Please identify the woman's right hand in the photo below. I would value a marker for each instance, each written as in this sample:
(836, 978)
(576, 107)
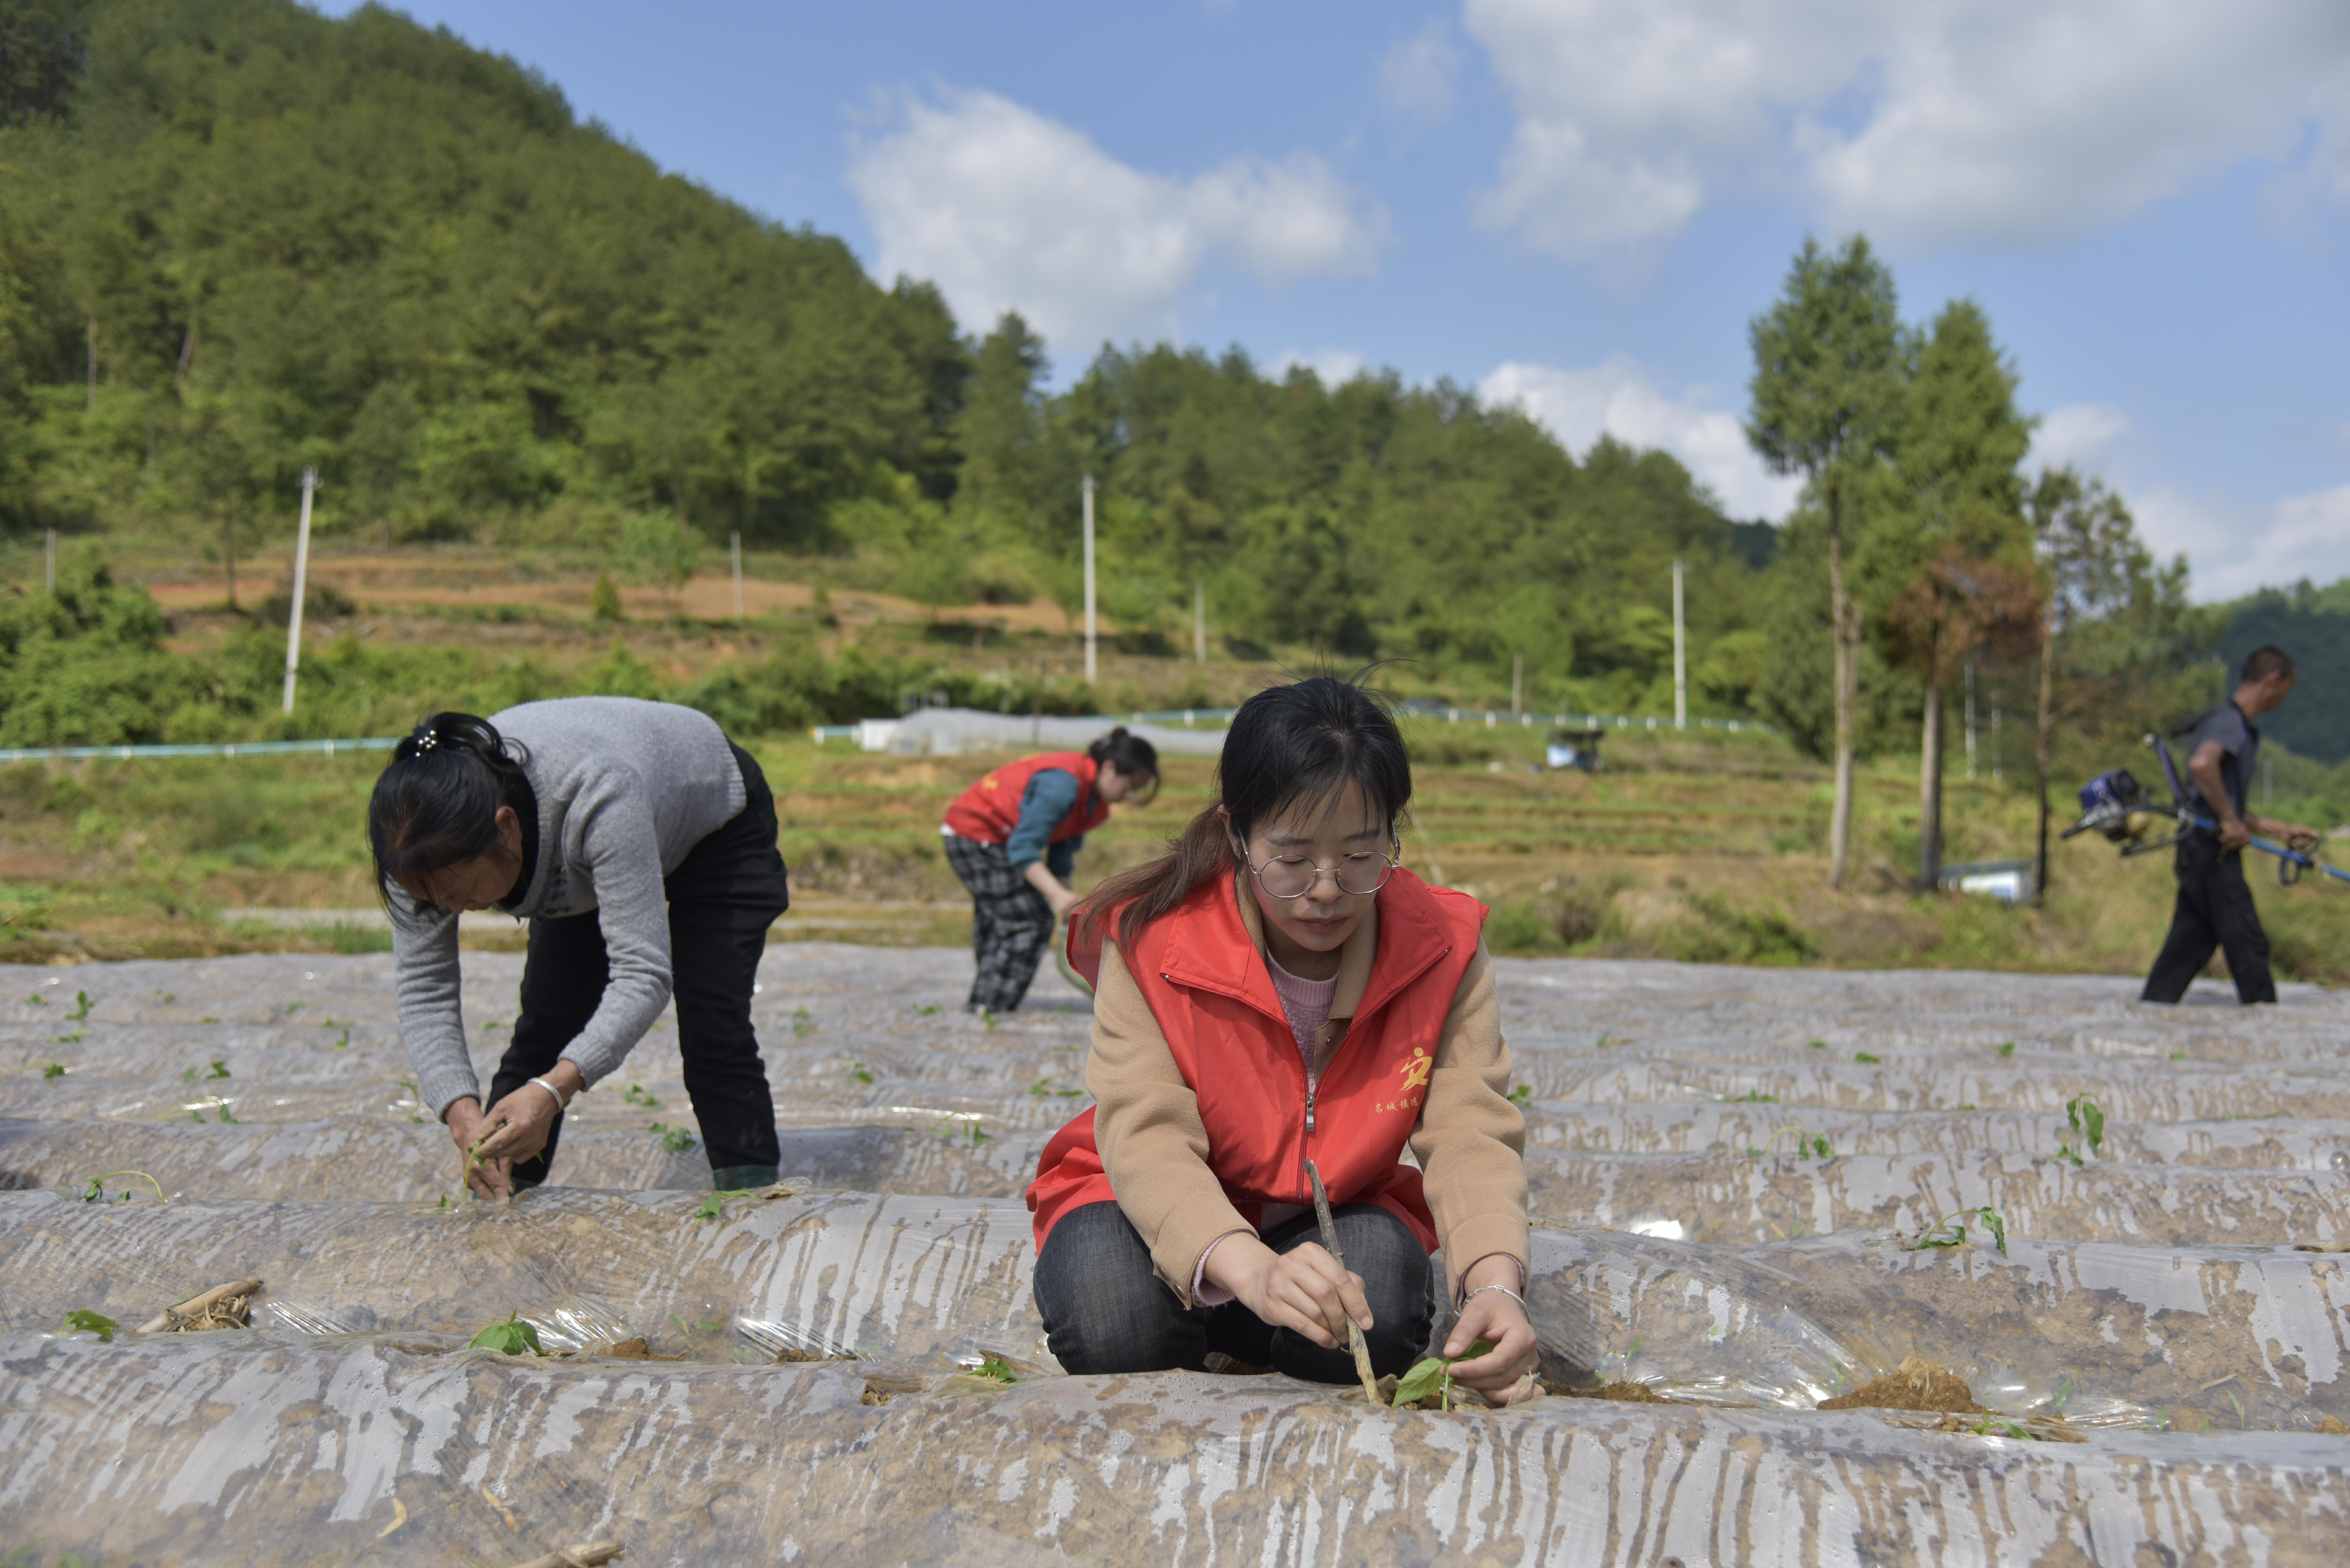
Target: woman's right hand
(1305, 1289)
(489, 1178)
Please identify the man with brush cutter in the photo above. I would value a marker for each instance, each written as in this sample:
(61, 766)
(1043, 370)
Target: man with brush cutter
(2215, 908)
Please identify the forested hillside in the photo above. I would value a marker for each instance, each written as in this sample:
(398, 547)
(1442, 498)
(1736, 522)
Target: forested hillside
(244, 239)
(240, 240)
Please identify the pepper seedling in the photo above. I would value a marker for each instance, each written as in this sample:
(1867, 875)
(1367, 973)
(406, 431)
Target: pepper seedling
(1950, 1230)
(995, 1369)
(1434, 1375)
(1807, 1142)
(511, 1337)
(2086, 1120)
(96, 1189)
(81, 1320)
(82, 1010)
(1522, 1096)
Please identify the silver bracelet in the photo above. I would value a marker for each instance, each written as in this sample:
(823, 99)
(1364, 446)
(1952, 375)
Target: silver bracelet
(1505, 1290)
(560, 1107)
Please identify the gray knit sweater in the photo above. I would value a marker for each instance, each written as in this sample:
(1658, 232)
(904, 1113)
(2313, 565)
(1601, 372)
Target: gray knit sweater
(625, 790)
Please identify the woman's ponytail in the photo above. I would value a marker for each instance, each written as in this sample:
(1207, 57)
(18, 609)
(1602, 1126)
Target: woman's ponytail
(437, 802)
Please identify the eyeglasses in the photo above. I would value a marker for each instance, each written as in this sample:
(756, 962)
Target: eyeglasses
(1293, 875)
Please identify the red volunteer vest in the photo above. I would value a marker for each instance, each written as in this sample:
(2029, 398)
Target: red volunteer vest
(1210, 990)
(989, 810)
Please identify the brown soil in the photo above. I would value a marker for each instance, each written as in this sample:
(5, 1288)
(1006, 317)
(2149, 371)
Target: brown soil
(1622, 1393)
(1914, 1384)
(2333, 1424)
(632, 1349)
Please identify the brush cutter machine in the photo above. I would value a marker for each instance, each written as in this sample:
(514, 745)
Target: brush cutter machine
(2114, 806)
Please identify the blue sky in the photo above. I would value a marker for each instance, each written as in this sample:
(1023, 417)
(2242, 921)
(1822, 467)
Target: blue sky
(1579, 203)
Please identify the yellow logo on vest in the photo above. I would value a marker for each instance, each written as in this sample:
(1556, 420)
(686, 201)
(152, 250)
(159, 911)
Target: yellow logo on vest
(1415, 1083)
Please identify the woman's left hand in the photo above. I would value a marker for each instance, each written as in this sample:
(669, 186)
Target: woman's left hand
(1500, 1322)
(522, 1121)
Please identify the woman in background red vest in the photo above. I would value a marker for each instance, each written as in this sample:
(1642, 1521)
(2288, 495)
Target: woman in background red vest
(1279, 990)
(1013, 837)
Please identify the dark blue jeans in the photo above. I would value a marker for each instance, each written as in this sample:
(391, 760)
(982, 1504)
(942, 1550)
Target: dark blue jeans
(1104, 1312)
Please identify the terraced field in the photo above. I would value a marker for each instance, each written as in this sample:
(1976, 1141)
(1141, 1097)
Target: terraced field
(1744, 1179)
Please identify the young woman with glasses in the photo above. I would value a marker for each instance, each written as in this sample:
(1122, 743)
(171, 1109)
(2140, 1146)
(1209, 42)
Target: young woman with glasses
(1277, 988)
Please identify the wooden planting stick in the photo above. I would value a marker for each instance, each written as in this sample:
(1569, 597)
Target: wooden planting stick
(1330, 1242)
(195, 1305)
(594, 1556)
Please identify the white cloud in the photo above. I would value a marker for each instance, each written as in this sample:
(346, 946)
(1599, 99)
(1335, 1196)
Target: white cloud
(1008, 210)
(2233, 550)
(1973, 121)
(2081, 434)
(1617, 399)
(1416, 75)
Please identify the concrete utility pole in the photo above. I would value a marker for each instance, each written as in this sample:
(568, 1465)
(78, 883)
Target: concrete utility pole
(1680, 655)
(301, 581)
(50, 562)
(1088, 488)
(1199, 623)
(1517, 682)
(1970, 721)
(734, 545)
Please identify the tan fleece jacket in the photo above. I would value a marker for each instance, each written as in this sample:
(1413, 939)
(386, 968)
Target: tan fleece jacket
(1470, 1140)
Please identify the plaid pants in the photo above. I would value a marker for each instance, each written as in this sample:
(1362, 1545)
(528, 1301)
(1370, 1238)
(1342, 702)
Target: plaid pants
(1010, 923)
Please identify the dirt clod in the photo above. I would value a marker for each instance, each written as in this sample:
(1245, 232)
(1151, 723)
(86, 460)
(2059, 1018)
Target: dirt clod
(1915, 1385)
(633, 1348)
(2333, 1424)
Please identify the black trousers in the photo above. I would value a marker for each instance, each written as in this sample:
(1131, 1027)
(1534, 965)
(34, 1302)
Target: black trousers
(1106, 1312)
(2215, 909)
(723, 897)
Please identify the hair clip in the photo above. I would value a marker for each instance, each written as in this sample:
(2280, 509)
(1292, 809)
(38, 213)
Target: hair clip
(424, 742)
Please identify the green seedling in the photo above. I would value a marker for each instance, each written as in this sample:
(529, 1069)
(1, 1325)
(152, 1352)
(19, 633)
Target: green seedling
(2243, 1419)
(345, 1043)
(54, 1070)
(511, 1337)
(928, 1008)
(225, 1118)
(1867, 1058)
(2179, 1055)
(218, 1070)
(712, 1208)
(995, 1369)
(81, 1320)
(36, 1000)
(712, 1326)
(1434, 1375)
(988, 1019)
(1819, 1044)
(82, 1009)
(1522, 1096)
(72, 1039)
(955, 1129)
(675, 1139)
(294, 1007)
(856, 1070)
(1807, 1142)
(1602, 1041)
(2087, 1121)
(1950, 1230)
(196, 1117)
(96, 1188)
(1752, 1097)
(2005, 1048)
(208, 1018)
(635, 1095)
(2000, 1426)
(1966, 1107)
(802, 1024)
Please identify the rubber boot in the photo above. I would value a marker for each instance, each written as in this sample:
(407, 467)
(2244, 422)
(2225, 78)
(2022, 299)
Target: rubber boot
(742, 1177)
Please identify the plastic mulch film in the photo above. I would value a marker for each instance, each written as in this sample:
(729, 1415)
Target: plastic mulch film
(2184, 1340)
(379, 1450)
(1787, 1192)
(911, 1278)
